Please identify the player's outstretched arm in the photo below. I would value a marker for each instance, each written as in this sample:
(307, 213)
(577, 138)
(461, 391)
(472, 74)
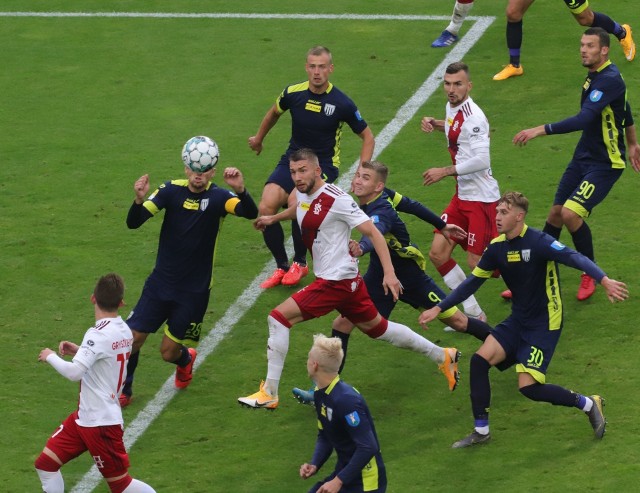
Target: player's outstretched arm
(453, 231)
(429, 124)
(390, 282)
(268, 122)
(524, 136)
(264, 221)
(428, 316)
(616, 290)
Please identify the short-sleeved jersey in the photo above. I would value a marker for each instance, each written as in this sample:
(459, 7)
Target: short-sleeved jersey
(326, 219)
(105, 350)
(346, 426)
(604, 94)
(189, 233)
(317, 119)
(529, 266)
(467, 131)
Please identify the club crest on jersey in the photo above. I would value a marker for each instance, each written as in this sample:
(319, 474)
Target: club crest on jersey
(329, 109)
(354, 286)
(595, 96)
(353, 419)
(317, 208)
(358, 116)
(204, 203)
(526, 254)
(329, 413)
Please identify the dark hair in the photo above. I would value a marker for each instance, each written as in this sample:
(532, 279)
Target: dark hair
(455, 67)
(515, 199)
(381, 169)
(304, 154)
(109, 292)
(605, 39)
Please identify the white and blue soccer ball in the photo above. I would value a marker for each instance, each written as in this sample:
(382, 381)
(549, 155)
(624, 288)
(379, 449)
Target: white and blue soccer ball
(200, 154)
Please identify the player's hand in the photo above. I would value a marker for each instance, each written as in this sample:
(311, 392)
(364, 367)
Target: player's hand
(233, 177)
(262, 222)
(524, 136)
(616, 290)
(434, 175)
(427, 125)
(307, 470)
(354, 248)
(428, 316)
(141, 188)
(44, 353)
(332, 486)
(633, 153)
(66, 348)
(255, 145)
(453, 232)
(390, 283)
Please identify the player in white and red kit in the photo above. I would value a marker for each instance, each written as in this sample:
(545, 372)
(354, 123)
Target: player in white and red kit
(327, 215)
(473, 206)
(100, 364)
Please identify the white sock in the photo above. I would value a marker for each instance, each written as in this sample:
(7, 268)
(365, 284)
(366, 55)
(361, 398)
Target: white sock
(52, 482)
(277, 348)
(403, 337)
(453, 279)
(483, 430)
(460, 12)
(138, 487)
(588, 404)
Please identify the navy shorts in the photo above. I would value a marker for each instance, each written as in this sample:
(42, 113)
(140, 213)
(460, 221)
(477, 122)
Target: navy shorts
(577, 6)
(531, 348)
(282, 175)
(182, 311)
(583, 186)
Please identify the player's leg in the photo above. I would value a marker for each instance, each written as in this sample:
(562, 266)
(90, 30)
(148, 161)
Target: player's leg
(48, 468)
(449, 36)
(587, 17)
(515, 12)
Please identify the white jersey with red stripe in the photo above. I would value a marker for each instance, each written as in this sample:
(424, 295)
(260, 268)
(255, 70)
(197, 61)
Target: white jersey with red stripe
(326, 219)
(105, 349)
(467, 131)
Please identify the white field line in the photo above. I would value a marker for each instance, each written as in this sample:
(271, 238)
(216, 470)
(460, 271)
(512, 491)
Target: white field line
(249, 296)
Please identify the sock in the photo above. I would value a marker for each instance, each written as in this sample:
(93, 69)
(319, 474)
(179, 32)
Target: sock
(553, 394)
(514, 42)
(132, 364)
(608, 24)
(403, 337)
(453, 275)
(299, 248)
(583, 240)
(274, 239)
(345, 344)
(552, 230)
(478, 329)
(460, 11)
(52, 482)
(136, 486)
(184, 359)
(480, 392)
(277, 348)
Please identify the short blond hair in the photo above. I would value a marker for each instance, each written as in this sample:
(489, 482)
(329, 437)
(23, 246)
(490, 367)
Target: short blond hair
(327, 352)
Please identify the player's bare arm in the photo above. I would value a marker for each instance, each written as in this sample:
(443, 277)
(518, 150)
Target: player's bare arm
(453, 231)
(633, 149)
(428, 316)
(524, 136)
(390, 282)
(264, 221)
(233, 177)
(429, 124)
(434, 175)
(268, 122)
(616, 290)
(368, 145)
(141, 188)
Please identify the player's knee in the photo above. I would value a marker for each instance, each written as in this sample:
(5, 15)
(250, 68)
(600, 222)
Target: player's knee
(437, 257)
(478, 364)
(514, 13)
(531, 391)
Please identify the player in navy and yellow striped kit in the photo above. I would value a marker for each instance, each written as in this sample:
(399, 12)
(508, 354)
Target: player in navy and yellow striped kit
(608, 139)
(177, 290)
(344, 425)
(527, 259)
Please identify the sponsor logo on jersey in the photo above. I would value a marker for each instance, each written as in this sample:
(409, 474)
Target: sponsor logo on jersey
(476, 130)
(526, 254)
(313, 106)
(204, 203)
(353, 419)
(329, 109)
(595, 96)
(556, 245)
(304, 206)
(513, 256)
(191, 204)
(91, 343)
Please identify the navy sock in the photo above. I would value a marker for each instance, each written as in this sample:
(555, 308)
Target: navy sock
(274, 239)
(480, 387)
(132, 364)
(514, 42)
(554, 394)
(184, 359)
(552, 230)
(299, 248)
(583, 240)
(608, 24)
(477, 328)
(345, 344)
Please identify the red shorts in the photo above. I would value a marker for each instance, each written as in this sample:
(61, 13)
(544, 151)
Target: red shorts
(478, 219)
(104, 443)
(349, 297)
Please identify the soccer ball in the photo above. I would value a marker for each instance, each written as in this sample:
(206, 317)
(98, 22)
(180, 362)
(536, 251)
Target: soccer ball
(200, 154)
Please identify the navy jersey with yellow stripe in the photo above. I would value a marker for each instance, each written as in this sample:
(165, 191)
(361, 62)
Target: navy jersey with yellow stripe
(345, 425)
(604, 114)
(189, 230)
(317, 119)
(528, 264)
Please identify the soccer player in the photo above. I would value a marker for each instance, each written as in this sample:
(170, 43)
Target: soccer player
(528, 261)
(99, 364)
(473, 204)
(418, 289)
(327, 215)
(345, 425)
(599, 159)
(582, 13)
(318, 112)
(177, 291)
(449, 36)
